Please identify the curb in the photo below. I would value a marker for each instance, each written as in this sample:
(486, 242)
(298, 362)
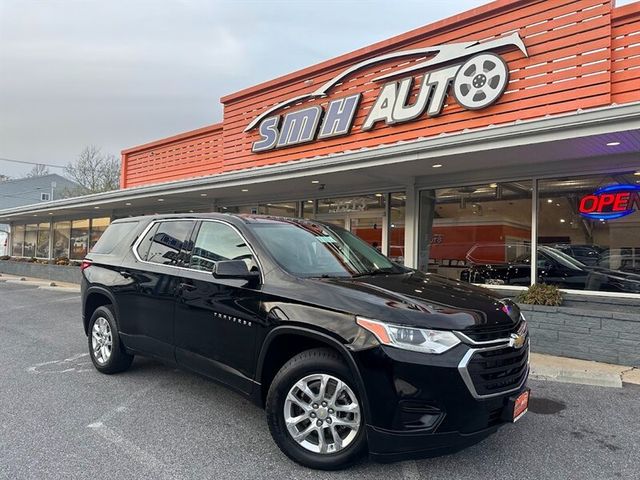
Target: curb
(40, 284)
(571, 370)
(597, 379)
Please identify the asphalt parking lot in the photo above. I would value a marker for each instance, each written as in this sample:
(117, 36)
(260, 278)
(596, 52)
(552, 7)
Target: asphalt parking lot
(61, 419)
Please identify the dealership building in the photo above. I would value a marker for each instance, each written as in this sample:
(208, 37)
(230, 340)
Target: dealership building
(504, 139)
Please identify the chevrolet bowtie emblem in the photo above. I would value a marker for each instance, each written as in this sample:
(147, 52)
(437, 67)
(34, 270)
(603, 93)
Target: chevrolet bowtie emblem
(516, 340)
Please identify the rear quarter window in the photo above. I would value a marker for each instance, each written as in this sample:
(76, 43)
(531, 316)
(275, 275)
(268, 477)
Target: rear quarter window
(114, 235)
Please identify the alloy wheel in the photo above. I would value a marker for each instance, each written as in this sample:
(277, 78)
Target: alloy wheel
(322, 414)
(101, 340)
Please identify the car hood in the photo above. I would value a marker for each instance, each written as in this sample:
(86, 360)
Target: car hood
(418, 299)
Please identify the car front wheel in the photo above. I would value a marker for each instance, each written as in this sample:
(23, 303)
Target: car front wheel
(314, 411)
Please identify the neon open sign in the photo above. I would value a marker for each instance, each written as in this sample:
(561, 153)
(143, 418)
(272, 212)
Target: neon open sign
(609, 203)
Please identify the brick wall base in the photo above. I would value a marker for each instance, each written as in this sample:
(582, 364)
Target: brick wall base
(602, 335)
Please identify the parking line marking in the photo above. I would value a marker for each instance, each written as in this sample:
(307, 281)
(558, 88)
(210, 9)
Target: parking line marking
(132, 450)
(36, 368)
(410, 470)
(33, 305)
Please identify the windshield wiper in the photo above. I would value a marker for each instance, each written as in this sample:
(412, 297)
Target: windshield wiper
(378, 271)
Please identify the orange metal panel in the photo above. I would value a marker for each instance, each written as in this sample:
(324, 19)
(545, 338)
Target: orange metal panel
(582, 54)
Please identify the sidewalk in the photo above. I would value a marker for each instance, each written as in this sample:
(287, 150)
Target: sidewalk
(41, 283)
(571, 370)
(543, 367)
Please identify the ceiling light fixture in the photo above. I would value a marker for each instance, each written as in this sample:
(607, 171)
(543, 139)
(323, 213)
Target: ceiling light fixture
(494, 185)
(549, 200)
(203, 194)
(245, 189)
(161, 199)
(315, 181)
(637, 174)
(437, 165)
(613, 144)
(96, 208)
(562, 220)
(128, 204)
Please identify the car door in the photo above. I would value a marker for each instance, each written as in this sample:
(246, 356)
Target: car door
(147, 306)
(216, 319)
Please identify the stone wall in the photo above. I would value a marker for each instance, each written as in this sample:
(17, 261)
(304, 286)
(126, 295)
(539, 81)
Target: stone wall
(610, 335)
(59, 273)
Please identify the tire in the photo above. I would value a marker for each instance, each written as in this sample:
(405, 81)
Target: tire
(311, 368)
(115, 359)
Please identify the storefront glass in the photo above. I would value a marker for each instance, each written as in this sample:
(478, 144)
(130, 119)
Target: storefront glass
(396, 226)
(308, 208)
(98, 226)
(30, 240)
(79, 239)
(589, 240)
(289, 209)
(363, 215)
(17, 240)
(479, 233)
(44, 235)
(61, 234)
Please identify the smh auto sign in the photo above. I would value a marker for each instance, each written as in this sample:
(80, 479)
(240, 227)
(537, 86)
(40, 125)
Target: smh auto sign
(478, 75)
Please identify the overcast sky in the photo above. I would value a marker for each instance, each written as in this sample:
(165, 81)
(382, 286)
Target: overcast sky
(117, 73)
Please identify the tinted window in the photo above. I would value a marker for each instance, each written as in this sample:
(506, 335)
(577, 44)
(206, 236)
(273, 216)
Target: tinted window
(112, 236)
(215, 242)
(167, 241)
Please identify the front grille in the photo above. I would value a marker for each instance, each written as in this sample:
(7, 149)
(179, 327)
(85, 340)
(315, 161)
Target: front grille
(487, 334)
(500, 370)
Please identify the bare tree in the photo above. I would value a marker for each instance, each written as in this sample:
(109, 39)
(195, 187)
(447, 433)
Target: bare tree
(38, 171)
(95, 171)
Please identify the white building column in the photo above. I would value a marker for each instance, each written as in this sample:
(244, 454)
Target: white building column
(411, 226)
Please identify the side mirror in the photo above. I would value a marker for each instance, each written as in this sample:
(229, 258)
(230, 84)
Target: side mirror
(231, 269)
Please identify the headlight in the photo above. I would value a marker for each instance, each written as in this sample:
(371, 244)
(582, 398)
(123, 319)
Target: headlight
(409, 338)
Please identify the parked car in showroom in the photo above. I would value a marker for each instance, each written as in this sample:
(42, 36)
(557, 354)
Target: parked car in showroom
(587, 254)
(347, 352)
(555, 268)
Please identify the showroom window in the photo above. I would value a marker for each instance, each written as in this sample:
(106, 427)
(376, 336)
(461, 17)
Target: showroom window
(79, 239)
(98, 226)
(289, 209)
(61, 235)
(44, 235)
(477, 233)
(17, 240)
(30, 240)
(308, 208)
(397, 206)
(363, 215)
(589, 233)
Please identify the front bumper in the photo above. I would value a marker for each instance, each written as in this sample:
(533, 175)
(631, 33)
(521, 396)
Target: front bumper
(423, 405)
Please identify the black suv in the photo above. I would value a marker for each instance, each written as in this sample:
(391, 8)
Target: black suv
(347, 351)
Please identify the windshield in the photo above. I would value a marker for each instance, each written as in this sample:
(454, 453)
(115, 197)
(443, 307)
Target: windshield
(316, 250)
(563, 258)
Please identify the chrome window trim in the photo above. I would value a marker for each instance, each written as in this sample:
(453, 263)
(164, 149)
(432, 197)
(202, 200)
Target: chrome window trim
(195, 220)
(464, 373)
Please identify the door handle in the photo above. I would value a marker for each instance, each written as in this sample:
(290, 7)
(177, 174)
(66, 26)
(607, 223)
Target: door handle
(125, 274)
(187, 287)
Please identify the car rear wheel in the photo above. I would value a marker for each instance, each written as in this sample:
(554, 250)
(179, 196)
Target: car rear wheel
(107, 353)
(314, 411)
